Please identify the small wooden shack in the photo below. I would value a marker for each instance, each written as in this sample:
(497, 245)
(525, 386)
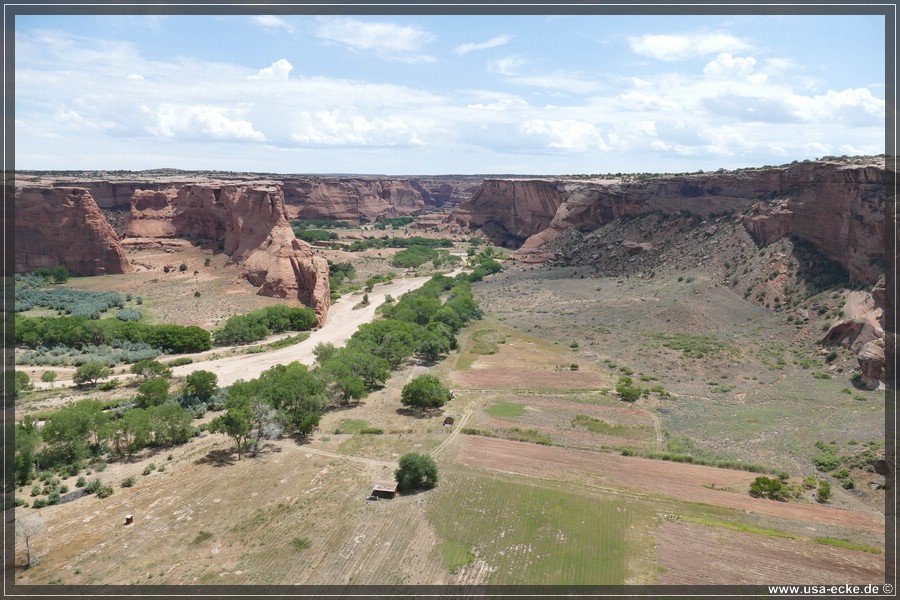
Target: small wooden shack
(449, 420)
(384, 489)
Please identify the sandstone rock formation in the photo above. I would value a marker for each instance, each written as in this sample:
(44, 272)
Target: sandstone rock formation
(64, 226)
(252, 224)
(871, 362)
(837, 207)
(348, 199)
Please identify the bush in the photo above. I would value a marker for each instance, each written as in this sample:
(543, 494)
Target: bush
(39, 503)
(90, 372)
(80, 483)
(824, 491)
(127, 482)
(182, 267)
(768, 487)
(22, 382)
(128, 314)
(104, 491)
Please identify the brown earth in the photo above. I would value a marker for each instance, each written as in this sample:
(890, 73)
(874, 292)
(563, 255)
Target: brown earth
(677, 480)
(693, 554)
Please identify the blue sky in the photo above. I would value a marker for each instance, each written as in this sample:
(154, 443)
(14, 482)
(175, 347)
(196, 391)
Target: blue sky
(407, 95)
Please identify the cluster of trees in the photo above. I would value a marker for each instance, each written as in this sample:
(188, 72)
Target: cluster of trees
(315, 235)
(76, 331)
(414, 256)
(318, 224)
(399, 242)
(90, 428)
(394, 223)
(283, 398)
(43, 275)
(256, 325)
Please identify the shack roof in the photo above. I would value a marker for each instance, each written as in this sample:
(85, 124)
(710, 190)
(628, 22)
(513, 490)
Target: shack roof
(385, 486)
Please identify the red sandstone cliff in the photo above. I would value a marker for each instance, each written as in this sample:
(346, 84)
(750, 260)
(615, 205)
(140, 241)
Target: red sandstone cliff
(348, 199)
(252, 224)
(838, 208)
(65, 226)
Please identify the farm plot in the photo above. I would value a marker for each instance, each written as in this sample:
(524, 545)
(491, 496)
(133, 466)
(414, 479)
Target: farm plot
(694, 483)
(574, 424)
(509, 530)
(691, 553)
(286, 517)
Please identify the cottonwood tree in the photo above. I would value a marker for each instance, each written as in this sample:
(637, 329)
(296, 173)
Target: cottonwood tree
(28, 529)
(417, 471)
(424, 391)
(91, 372)
(267, 424)
(237, 422)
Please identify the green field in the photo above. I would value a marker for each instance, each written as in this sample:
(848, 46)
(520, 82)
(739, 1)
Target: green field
(506, 409)
(528, 532)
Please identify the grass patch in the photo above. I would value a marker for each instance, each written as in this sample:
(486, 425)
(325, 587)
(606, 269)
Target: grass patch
(484, 342)
(845, 544)
(506, 409)
(696, 346)
(598, 426)
(773, 533)
(526, 435)
(537, 533)
(456, 555)
(202, 537)
(299, 544)
(351, 426)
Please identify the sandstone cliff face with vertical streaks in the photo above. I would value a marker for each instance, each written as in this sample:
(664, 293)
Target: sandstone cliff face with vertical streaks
(64, 226)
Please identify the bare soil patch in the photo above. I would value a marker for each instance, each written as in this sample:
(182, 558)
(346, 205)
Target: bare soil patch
(691, 553)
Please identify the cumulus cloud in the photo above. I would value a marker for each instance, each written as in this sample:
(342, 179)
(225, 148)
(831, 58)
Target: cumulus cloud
(134, 76)
(398, 42)
(726, 65)
(279, 71)
(678, 47)
(494, 42)
(568, 135)
(336, 128)
(505, 66)
(201, 121)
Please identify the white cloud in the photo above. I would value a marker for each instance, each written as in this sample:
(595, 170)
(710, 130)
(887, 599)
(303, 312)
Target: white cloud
(494, 42)
(568, 135)
(201, 121)
(677, 47)
(576, 83)
(726, 65)
(398, 42)
(499, 105)
(505, 66)
(271, 23)
(279, 71)
(334, 128)
(134, 76)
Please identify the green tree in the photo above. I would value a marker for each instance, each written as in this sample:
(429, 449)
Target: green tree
(424, 391)
(417, 471)
(170, 424)
(626, 390)
(48, 376)
(60, 274)
(432, 346)
(149, 368)
(346, 384)
(202, 385)
(296, 393)
(237, 422)
(23, 382)
(324, 351)
(130, 433)
(91, 372)
(69, 429)
(824, 491)
(152, 392)
(27, 439)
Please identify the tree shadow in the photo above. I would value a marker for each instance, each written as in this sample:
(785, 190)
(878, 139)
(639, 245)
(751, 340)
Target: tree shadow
(421, 413)
(218, 458)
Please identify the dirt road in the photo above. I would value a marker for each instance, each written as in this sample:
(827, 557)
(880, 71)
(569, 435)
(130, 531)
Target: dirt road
(342, 322)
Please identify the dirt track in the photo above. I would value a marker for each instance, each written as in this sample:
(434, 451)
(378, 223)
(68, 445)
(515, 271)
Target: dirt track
(677, 480)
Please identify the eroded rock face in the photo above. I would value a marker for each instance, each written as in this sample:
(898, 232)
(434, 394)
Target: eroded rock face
(871, 362)
(253, 226)
(65, 226)
(348, 199)
(837, 207)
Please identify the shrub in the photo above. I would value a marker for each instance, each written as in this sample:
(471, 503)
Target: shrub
(182, 267)
(90, 372)
(104, 491)
(824, 491)
(80, 483)
(127, 482)
(768, 487)
(39, 503)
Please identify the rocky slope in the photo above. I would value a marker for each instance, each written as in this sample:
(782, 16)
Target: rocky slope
(64, 226)
(253, 226)
(837, 207)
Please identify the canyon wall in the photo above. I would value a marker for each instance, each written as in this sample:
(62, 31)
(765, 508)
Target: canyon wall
(253, 226)
(837, 207)
(64, 226)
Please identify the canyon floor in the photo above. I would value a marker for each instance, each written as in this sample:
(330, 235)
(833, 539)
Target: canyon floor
(534, 487)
